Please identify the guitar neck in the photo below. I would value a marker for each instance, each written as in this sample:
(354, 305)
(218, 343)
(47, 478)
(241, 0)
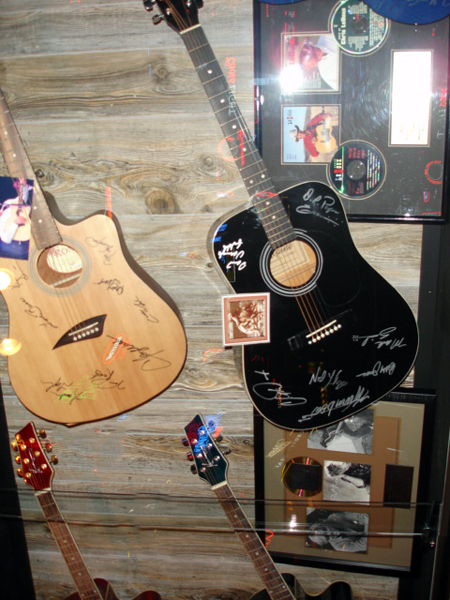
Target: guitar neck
(253, 171)
(43, 227)
(263, 563)
(84, 583)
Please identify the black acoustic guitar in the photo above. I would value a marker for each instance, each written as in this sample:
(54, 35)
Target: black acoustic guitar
(211, 466)
(341, 337)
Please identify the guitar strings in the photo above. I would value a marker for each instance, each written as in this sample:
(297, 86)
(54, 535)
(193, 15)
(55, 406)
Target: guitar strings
(307, 301)
(46, 227)
(18, 157)
(56, 522)
(215, 473)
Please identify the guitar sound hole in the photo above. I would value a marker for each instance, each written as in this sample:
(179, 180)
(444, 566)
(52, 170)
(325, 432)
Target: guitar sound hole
(294, 264)
(60, 266)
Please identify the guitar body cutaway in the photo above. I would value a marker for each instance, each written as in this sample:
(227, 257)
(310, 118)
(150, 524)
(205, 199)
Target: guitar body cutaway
(97, 336)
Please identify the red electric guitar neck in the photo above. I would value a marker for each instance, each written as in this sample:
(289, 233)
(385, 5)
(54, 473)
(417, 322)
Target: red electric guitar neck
(38, 473)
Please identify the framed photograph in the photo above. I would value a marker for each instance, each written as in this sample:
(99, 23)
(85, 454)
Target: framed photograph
(350, 495)
(381, 88)
(310, 134)
(16, 195)
(298, 51)
(245, 319)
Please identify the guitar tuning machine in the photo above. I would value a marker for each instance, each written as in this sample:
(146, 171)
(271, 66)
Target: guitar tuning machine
(42, 434)
(48, 447)
(54, 460)
(194, 470)
(190, 456)
(148, 4)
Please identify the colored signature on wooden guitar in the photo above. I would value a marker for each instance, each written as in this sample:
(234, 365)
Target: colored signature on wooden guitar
(150, 361)
(86, 388)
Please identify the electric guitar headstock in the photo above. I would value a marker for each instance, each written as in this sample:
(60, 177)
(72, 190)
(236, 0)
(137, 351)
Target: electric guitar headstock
(36, 470)
(178, 14)
(210, 463)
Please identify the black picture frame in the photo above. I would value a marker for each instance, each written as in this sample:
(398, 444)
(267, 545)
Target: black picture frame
(394, 552)
(384, 176)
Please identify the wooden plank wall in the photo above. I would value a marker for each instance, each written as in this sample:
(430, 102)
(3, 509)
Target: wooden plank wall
(107, 102)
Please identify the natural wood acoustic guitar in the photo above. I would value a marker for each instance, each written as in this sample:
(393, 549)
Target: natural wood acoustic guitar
(37, 471)
(211, 466)
(91, 334)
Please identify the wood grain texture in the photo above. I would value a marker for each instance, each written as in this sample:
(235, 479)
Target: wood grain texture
(108, 104)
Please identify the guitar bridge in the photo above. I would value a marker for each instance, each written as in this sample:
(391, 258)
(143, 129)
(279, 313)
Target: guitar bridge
(298, 341)
(321, 333)
(85, 330)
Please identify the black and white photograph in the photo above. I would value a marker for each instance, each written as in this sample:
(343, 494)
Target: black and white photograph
(345, 481)
(334, 530)
(354, 434)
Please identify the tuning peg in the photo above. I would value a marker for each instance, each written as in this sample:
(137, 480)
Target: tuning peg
(185, 442)
(219, 438)
(48, 447)
(54, 460)
(190, 456)
(157, 19)
(227, 451)
(42, 434)
(199, 3)
(14, 445)
(20, 472)
(194, 470)
(148, 5)
(17, 459)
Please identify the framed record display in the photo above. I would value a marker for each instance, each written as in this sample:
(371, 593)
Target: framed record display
(349, 98)
(350, 495)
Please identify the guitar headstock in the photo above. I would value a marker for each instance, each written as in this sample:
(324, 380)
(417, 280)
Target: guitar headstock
(209, 461)
(36, 469)
(178, 14)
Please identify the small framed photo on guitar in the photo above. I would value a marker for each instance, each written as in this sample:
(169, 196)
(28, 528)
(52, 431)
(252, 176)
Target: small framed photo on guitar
(245, 319)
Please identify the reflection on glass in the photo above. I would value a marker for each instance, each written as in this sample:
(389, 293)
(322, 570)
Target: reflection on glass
(6, 278)
(9, 346)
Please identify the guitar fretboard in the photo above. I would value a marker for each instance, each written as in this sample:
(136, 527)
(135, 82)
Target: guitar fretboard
(82, 578)
(43, 226)
(253, 171)
(262, 561)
